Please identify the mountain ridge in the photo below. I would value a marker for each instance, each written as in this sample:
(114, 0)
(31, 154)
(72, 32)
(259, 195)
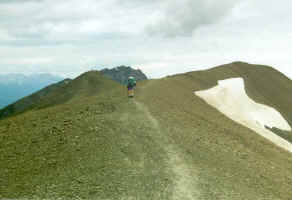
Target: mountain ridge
(122, 73)
(164, 144)
(58, 93)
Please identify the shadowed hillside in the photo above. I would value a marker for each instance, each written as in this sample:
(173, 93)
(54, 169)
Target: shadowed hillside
(166, 143)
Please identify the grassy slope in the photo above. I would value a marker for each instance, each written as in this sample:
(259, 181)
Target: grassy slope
(234, 163)
(106, 146)
(91, 147)
(87, 84)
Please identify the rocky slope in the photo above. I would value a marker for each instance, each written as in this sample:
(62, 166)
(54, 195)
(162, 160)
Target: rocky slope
(121, 74)
(167, 143)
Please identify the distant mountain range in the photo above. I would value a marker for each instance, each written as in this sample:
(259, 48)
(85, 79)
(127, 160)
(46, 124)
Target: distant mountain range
(16, 86)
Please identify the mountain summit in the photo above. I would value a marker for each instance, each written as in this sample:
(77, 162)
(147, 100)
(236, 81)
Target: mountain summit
(87, 140)
(121, 74)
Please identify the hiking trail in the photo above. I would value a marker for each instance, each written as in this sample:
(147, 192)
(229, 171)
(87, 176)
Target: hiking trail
(183, 180)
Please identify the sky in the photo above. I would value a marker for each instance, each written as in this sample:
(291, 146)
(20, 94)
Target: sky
(159, 37)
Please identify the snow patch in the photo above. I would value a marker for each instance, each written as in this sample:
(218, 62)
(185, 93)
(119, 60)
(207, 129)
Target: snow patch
(230, 98)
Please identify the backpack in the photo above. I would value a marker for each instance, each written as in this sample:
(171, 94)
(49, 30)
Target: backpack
(131, 82)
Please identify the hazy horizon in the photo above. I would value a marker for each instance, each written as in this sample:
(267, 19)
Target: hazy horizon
(100, 68)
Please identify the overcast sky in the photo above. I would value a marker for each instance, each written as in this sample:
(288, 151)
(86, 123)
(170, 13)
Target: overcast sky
(160, 37)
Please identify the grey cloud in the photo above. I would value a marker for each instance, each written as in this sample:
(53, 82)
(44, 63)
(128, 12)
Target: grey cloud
(51, 20)
(18, 1)
(72, 35)
(181, 18)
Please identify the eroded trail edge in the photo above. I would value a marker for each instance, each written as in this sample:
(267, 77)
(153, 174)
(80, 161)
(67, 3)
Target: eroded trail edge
(185, 186)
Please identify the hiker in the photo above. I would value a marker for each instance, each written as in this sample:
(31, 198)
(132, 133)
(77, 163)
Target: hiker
(130, 85)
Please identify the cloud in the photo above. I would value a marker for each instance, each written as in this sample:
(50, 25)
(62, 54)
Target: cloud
(160, 37)
(62, 21)
(17, 1)
(181, 18)
(52, 21)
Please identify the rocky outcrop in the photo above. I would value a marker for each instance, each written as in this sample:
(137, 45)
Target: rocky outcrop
(121, 74)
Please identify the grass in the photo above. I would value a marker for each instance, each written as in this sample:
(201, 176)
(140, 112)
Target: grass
(100, 145)
(224, 152)
(81, 150)
(87, 84)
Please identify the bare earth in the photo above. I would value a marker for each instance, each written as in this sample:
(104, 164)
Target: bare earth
(184, 181)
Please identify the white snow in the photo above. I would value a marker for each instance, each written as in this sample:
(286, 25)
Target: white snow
(230, 98)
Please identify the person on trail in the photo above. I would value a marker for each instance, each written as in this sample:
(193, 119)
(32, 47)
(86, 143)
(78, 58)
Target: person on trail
(131, 85)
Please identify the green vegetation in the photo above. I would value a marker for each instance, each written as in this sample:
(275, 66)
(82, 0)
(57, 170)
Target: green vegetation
(81, 150)
(164, 144)
(87, 84)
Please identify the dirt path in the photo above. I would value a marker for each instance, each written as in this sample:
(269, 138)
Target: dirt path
(184, 181)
